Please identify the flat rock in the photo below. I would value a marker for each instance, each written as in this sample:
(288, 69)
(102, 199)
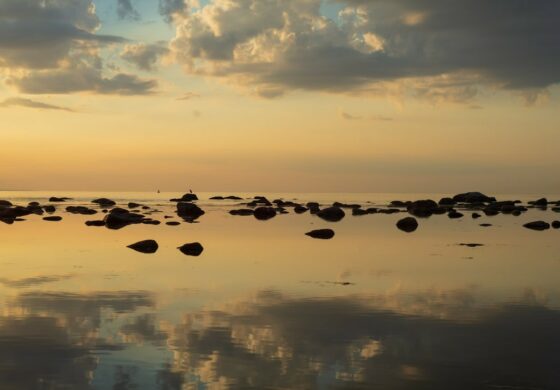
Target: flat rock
(192, 249)
(104, 202)
(264, 213)
(53, 218)
(146, 246)
(331, 214)
(95, 223)
(322, 234)
(537, 225)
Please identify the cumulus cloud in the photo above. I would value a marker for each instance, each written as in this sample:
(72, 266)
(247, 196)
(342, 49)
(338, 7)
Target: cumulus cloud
(440, 49)
(22, 102)
(144, 56)
(169, 8)
(125, 10)
(53, 47)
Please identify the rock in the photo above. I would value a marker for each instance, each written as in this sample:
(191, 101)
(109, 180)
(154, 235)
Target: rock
(542, 202)
(556, 209)
(408, 224)
(119, 218)
(264, 213)
(146, 246)
(323, 234)
(556, 224)
(49, 209)
(242, 212)
(95, 223)
(346, 205)
(52, 218)
(151, 222)
(189, 211)
(454, 214)
(359, 211)
(192, 249)
(217, 198)
(476, 215)
(422, 208)
(471, 245)
(388, 211)
(104, 202)
(233, 197)
(186, 198)
(485, 224)
(313, 207)
(399, 203)
(54, 199)
(132, 205)
(299, 209)
(331, 214)
(537, 225)
(473, 197)
(5, 203)
(80, 210)
(173, 223)
(447, 202)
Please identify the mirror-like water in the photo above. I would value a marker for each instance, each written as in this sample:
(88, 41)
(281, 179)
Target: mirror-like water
(265, 306)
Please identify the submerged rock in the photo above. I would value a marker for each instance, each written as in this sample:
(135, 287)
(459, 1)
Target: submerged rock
(331, 214)
(408, 224)
(146, 246)
(242, 212)
(322, 234)
(485, 224)
(192, 249)
(537, 225)
(52, 218)
(476, 215)
(189, 211)
(264, 213)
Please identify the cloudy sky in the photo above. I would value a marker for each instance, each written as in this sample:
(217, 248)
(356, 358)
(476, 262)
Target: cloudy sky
(280, 95)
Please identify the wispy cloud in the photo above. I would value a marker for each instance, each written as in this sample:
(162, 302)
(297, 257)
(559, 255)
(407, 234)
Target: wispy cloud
(350, 117)
(189, 96)
(22, 102)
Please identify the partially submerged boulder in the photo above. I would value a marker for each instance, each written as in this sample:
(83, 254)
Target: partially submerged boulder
(189, 211)
(537, 225)
(264, 213)
(192, 249)
(146, 246)
(322, 234)
(408, 224)
(331, 214)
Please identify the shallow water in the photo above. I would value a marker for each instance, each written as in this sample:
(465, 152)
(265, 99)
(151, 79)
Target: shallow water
(265, 306)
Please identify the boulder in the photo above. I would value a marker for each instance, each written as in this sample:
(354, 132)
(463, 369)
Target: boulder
(53, 218)
(322, 234)
(473, 197)
(331, 214)
(408, 224)
(453, 214)
(192, 249)
(104, 202)
(95, 223)
(242, 212)
(119, 218)
(555, 224)
(146, 246)
(6, 203)
(264, 213)
(299, 209)
(80, 210)
(186, 198)
(189, 211)
(537, 225)
(423, 208)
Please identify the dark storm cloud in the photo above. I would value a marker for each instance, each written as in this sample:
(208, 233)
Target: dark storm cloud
(509, 44)
(21, 102)
(125, 10)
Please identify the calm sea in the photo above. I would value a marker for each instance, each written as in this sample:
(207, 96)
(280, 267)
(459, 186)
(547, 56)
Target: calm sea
(266, 307)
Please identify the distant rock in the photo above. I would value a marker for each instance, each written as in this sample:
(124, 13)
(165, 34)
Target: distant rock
(119, 218)
(192, 249)
(242, 212)
(447, 202)
(331, 214)
(485, 224)
(173, 223)
(53, 219)
(5, 203)
(299, 209)
(264, 213)
(189, 211)
(453, 214)
(104, 202)
(471, 245)
(313, 207)
(542, 202)
(54, 199)
(132, 205)
(556, 224)
(473, 197)
(146, 246)
(422, 208)
(95, 223)
(537, 225)
(49, 209)
(408, 224)
(186, 198)
(81, 210)
(476, 215)
(322, 234)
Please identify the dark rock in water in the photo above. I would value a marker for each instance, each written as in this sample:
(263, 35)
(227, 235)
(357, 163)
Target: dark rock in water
(556, 209)
(447, 202)
(259, 201)
(471, 245)
(490, 212)
(359, 211)
(556, 224)
(49, 209)
(476, 215)
(53, 218)
(192, 249)
(388, 211)
(473, 197)
(299, 209)
(542, 202)
(80, 210)
(104, 202)
(516, 213)
(5, 203)
(189, 211)
(454, 214)
(119, 218)
(233, 197)
(147, 246)
(331, 214)
(186, 198)
(313, 207)
(54, 199)
(264, 213)
(217, 198)
(422, 208)
(408, 224)
(132, 205)
(95, 223)
(242, 212)
(399, 203)
(173, 223)
(485, 224)
(33, 204)
(323, 234)
(537, 225)
(346, 205)
(151, 222)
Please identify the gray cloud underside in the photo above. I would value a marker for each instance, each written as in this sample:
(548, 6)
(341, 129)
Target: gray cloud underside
(125, 10)
(510, 44)
(144, 56)
(22, 102)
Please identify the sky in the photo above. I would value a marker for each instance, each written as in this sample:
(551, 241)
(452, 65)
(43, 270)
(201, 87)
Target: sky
(280, 95)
